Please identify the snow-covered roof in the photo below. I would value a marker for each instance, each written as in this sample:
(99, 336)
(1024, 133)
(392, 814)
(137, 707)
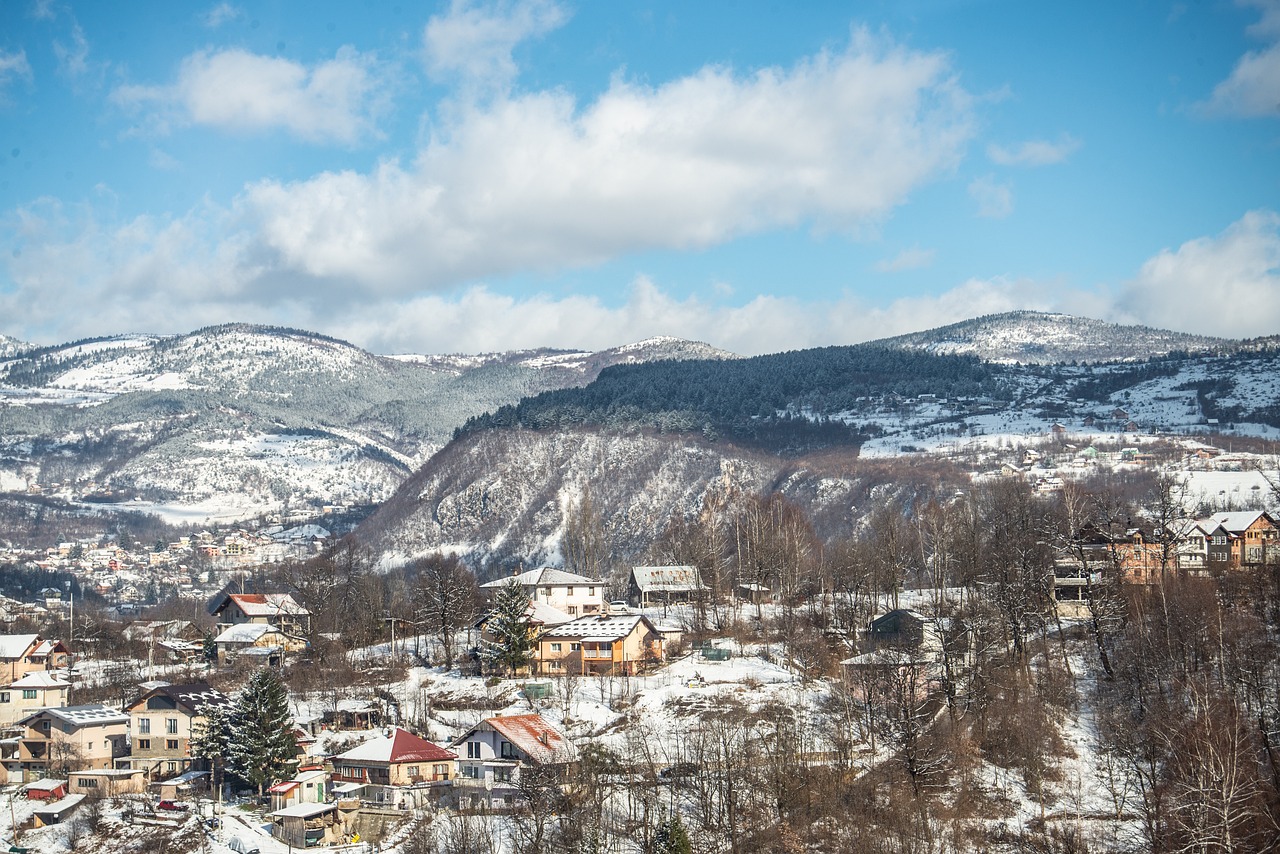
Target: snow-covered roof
(194, 696)
(544, 577)
(666, 579)
(533, 736)
(1239, 520)
(41, 679)
(95, 714)
(305, 810)
(600, 627)
(400, 746)
(14, 646)
(245, 633)
(264, 604)
(44, 784)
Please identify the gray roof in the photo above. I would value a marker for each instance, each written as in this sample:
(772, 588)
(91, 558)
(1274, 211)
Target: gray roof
(544, 577)
(91, 715)
(601, 627)
(667, 579)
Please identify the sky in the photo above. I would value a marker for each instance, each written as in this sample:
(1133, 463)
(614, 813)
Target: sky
(761, 176)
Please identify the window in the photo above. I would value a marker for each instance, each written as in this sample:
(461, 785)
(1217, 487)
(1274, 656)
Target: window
(171, 744)
(88, 783)
(440, 772)
(555, 647)
(4, 696)
(574, 647)
(591, 591)
(144, 744)
(173, 766)
(572, 610)
(502, 775)
(28, 693)
(470, 771)
(507, 752)
(412, 770)
(144, 726)
(473, 750)
(171, 726)
(571, 591)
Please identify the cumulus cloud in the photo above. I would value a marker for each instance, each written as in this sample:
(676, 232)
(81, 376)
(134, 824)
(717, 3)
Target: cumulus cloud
(833, 143)
(1034, 152)
(995, 200)
(1226, 285)
(914, 258)
(836, 141)
(338, 100)
(13, 66)
(1253, 89)
(474, 42)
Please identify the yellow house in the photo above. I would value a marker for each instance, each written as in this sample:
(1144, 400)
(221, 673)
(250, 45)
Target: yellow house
(604, 643)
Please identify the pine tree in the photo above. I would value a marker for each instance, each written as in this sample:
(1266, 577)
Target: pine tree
(263, 750)
(511, 645)
(211, 740)
(672, 838)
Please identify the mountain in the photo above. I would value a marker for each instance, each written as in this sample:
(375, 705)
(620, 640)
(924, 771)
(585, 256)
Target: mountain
(237, 420)
(10, 347)
(1033, 337)
(501, 497)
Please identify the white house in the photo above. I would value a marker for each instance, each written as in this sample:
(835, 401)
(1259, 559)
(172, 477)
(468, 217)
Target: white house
(575, 595)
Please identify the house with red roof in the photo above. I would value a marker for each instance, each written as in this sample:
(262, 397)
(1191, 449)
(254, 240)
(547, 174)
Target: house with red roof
(398, 769)
(492, 753)
(276, 609)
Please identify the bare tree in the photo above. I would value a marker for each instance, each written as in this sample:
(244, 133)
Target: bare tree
(447, 600)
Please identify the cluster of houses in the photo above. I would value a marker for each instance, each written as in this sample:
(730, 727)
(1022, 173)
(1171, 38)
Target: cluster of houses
(1211, 546)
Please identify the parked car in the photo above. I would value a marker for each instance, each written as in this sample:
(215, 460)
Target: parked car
(173, 806)
(241, 847)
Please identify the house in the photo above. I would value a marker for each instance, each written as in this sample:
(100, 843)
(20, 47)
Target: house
(664, 585)
(903, 629)
(161, 721)
(35, 690)
(51, 655)
(259, 642)
(497, 749)
(16, 653)
(276, 609)
(573, 594)
(56, 811)
(69, 739)
(306, 787)
(399, 769)
(603, 643)
(1255, 537)
(107, 782)
(313, 825)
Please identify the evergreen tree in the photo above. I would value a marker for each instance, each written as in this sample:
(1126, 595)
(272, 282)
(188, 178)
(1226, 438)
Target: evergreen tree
(511, 645)
(211, 740)
(263, 750)
(672, 838)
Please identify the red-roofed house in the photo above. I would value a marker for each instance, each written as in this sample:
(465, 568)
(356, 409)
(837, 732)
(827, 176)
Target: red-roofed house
(491, 754)
(399, 769)
(276, 609)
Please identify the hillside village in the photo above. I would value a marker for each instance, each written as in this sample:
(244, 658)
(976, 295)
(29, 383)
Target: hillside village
(555, 684)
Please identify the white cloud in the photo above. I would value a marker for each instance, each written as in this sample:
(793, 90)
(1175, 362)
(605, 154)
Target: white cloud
(534, 182)
(1226, 285)
(220, 14)
(338, 100)
(13, 66)
(914, 258)
(1253, 89)
(995, 200)
(1034, 152)
(73, 59)
(837, 141)
(474, 41)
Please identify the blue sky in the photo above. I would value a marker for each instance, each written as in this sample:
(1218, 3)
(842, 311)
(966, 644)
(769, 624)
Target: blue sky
(471, 176)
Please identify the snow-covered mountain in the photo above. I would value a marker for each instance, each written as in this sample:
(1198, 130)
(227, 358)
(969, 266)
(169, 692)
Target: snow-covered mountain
(1034, 337)
(10, 347)
(236, 420)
